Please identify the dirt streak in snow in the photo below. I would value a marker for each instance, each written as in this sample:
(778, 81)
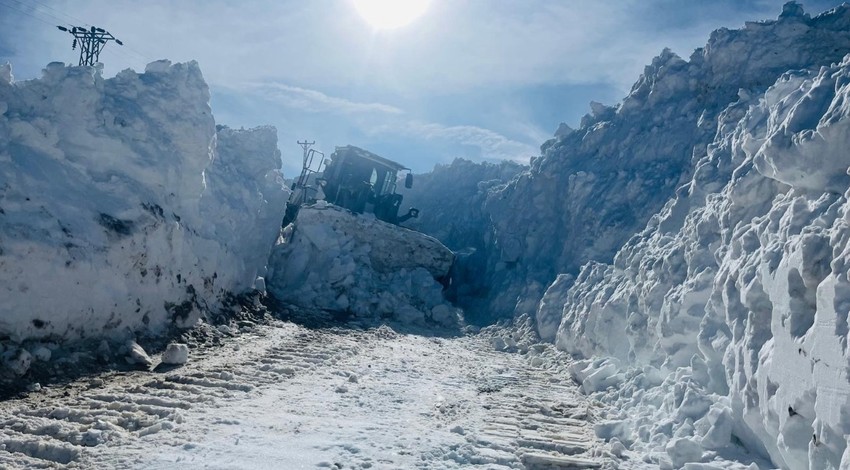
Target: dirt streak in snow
(289, 397)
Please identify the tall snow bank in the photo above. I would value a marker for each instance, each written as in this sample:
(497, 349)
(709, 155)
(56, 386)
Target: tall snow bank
(594, 187)
(332, 259)
(724, 324)
(451, 199)
(121, 209)
(245, 198)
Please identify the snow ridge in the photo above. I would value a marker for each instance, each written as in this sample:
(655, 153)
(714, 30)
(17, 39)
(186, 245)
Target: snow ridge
(121, 207)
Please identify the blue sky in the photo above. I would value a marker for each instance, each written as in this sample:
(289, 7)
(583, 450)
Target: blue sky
(481, 79)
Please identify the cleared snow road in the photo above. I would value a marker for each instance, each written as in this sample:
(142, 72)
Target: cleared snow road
(284, 396)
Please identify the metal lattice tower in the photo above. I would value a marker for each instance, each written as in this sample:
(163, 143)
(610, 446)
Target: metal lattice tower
(91, 42)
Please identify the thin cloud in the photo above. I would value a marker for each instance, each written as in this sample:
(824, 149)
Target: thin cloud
(315, 101)
(490, 144)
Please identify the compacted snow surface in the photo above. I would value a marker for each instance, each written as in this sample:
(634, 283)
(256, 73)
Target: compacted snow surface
(284, 396)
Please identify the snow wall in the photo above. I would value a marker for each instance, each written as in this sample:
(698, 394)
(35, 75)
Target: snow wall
(720, 330)
(729, 312)
(331, 259)
(451, 199)
(594, 187)
(122, 209)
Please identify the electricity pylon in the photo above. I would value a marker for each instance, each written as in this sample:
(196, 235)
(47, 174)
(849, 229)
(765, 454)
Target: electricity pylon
(91, 42)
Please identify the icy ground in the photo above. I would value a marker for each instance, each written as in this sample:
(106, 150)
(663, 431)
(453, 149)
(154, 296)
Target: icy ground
(285, 396)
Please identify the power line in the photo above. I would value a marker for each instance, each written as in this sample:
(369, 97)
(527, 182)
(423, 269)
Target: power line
(67, 15)
(24, 12)
(43, 13)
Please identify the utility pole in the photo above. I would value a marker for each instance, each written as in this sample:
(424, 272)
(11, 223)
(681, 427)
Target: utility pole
(306, 146)
(299, 187)
(307, 162)
(306, 169)
(91, 42)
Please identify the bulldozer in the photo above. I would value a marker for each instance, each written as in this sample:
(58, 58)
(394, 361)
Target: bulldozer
(354, 179)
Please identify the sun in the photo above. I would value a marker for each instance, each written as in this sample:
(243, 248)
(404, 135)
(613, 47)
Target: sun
(390, 14)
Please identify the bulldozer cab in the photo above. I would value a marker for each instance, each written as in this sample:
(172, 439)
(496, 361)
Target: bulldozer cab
(361, 181)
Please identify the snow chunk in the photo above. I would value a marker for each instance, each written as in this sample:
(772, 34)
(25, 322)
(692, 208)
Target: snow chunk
(6, 77)
(155, 428)
(551, 307)
(722, 423)
(445, 315)
(41, 353)
(792, 10)
(260, 284)
(600, 111)
(563, 130)
(683, 450)
(596, 375)
(137, 355)
(410, 315)
(807, 133)
(93, 437)
(175, 354)
(618, 449)
(158, 66)
(17, 360)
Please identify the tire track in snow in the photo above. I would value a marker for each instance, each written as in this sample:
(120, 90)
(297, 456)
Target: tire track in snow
(337, 398)
(533, 420)
(62, 427)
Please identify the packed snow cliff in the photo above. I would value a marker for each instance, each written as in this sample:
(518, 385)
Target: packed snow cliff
(451, 199)
(122, 209)
(741, 296)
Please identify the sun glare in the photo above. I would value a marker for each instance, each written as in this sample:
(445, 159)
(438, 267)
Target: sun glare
(390, 14)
